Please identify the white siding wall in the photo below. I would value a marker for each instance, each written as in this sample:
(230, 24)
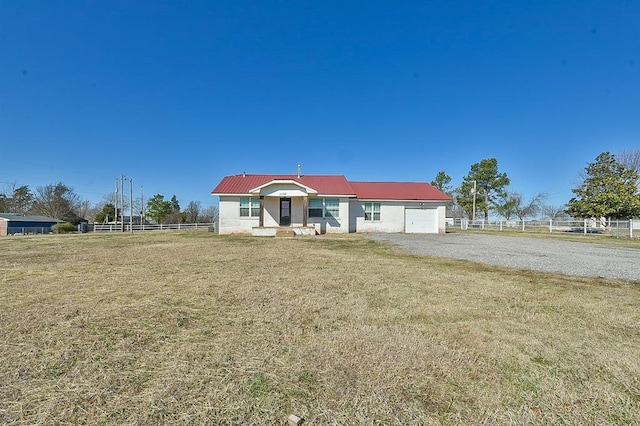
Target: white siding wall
(391, 217)
(271, 211)
(230, 220)
(442, 219)
(296, 211)
(331, 225)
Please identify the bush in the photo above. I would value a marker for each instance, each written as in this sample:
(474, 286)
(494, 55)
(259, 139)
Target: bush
(64, 228)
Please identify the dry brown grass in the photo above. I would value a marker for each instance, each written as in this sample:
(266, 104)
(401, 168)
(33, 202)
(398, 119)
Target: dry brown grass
(195, 328)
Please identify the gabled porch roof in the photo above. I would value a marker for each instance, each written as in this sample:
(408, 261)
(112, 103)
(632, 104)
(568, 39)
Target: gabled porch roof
(246, 184)
(276, 186)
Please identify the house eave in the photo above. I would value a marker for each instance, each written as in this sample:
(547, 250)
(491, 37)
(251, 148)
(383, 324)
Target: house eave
(225, 194)
(403, 200)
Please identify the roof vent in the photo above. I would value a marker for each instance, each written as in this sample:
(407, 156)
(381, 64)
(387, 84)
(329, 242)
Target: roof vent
(298, 170)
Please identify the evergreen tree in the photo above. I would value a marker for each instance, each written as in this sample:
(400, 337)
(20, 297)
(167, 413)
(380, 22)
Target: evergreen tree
(442, 181)
(158, 208)
(489, 187)
(609, 189)
(108, 213)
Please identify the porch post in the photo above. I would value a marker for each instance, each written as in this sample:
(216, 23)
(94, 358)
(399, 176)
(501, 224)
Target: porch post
(305, 209)
(261, 222)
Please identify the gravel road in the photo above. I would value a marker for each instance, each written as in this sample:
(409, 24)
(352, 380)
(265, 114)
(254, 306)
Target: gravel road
(538, 254)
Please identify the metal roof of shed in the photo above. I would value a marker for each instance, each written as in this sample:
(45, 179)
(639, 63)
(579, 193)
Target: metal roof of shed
(13, 217)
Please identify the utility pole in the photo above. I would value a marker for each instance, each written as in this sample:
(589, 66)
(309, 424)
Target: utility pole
(122, 177)
(141, 209)
(115, 196)
(131, 203)
(474, 203)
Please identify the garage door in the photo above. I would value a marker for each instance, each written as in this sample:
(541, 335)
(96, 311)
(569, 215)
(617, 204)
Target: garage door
(421, 221)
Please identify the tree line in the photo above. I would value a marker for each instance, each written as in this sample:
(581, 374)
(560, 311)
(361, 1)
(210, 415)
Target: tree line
(60, 201)
(609, 188)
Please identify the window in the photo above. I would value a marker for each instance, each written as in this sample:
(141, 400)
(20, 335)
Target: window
(315, 207)
(371, 211)
(249, 207)
(331, 207)
(324, 207)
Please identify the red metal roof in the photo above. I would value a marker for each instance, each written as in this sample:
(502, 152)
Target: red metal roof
(336, 185)
(242, 184)
(398, 191)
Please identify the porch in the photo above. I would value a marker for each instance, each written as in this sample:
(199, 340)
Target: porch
(283, 208)
(284, 231)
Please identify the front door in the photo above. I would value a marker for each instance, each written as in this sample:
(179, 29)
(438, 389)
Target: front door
(285, 211)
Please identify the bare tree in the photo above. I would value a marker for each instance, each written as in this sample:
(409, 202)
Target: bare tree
(530, 208)
(84, 209)
(209, 215)
(55, 201)
(192, 211)
(513, 204)
(508, 204)
(555, 212)
(630, 159)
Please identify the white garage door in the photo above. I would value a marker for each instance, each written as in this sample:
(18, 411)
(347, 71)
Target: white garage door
(421, 221)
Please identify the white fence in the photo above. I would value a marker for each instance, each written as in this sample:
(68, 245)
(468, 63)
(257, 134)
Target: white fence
(618, 228)
(210, 227)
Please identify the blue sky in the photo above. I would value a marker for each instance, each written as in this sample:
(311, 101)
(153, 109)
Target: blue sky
(178, 94)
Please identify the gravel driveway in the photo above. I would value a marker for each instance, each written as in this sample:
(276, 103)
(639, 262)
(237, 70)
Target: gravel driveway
(538, 254)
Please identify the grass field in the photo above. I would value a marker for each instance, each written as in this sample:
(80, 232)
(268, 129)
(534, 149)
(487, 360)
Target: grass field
(196, 328)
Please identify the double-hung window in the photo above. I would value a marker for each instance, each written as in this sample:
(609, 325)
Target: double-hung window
(315, 207)
(249, 207)
(371, 211)
(324, 207)
(331, 207)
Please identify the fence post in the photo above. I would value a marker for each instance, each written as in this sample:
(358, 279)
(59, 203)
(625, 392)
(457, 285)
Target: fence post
(550, 225)
(522, 225)
(585, 227)
(630, 228)
(501, 224)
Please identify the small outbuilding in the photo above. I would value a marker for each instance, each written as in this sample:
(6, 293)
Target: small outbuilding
(11, 223)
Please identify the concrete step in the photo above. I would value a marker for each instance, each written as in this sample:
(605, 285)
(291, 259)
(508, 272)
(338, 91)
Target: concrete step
(285, 232)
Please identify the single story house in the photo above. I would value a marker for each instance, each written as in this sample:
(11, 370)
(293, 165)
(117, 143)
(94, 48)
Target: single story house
(11, 223)
(253, 203)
